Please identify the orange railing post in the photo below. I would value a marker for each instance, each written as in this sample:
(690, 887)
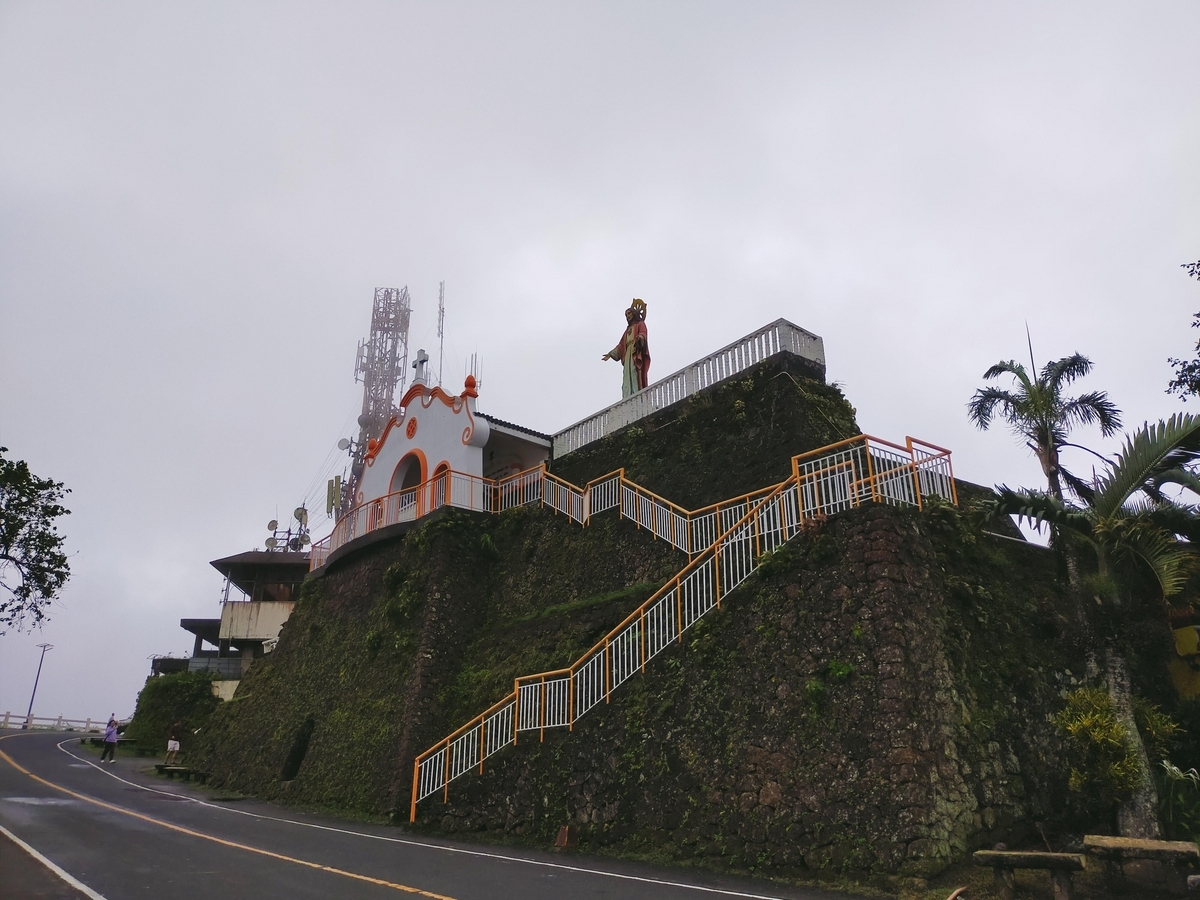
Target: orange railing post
(412, 813)
(516, 709)
(870, 470)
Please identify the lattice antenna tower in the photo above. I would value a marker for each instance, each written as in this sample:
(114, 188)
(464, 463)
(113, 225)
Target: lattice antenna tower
(441, 330)
(382, 363)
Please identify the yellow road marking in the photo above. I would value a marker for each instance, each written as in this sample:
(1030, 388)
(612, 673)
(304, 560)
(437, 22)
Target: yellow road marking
(216, 840)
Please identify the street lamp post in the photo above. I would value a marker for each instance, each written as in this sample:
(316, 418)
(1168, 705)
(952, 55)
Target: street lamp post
(29, 714)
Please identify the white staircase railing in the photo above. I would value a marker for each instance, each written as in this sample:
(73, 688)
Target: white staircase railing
(778, 337)
(824, 482)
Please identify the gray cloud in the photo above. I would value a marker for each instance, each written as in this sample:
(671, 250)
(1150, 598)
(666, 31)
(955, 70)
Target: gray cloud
(196, 204)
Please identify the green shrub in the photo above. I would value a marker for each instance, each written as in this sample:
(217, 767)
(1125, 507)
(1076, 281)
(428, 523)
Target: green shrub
(1179, 802)
(1103, 762)
(1159, 731)
(185, 697)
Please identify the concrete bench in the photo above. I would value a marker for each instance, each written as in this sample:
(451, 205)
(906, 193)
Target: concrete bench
(185, 773)
(1116, 851)
(1005, 863)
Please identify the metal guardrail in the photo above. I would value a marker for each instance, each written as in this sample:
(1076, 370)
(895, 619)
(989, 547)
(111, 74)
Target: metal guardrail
(778, 337)
(866, 468)
(53, 723)
(689, 531)
(226, 668)
(823, 482)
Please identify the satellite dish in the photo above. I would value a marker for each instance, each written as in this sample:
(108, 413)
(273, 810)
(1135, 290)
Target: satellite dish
(294, 544)
(344, 444)
(301, 515)
(272, 525)
(272, 543)
(304, 540)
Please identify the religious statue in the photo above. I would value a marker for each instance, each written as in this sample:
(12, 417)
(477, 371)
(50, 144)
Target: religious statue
(633, 352)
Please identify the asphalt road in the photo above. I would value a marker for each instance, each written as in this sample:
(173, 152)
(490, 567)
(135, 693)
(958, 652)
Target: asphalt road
(125, 834)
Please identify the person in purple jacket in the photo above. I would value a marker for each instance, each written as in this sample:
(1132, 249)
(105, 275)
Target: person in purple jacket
(110, 741)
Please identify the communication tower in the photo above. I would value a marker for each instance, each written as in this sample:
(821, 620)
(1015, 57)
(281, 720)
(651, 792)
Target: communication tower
(382, 366)
(383, 358)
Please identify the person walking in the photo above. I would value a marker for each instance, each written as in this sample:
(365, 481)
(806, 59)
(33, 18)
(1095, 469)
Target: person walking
(172, 744)
(110, 741)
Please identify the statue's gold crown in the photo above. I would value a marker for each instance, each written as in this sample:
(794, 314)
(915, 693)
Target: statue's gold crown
(639, 307)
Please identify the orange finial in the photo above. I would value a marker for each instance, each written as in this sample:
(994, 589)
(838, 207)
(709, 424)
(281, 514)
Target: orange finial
(469, 387)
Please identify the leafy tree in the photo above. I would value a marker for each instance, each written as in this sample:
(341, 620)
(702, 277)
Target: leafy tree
(1038, 411)
(1125, 515)
(1129, 522)
(33, 566)
(1187, 371)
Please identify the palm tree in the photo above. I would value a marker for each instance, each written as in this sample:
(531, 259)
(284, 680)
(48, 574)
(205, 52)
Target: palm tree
(1039, 413)
(1127, 518)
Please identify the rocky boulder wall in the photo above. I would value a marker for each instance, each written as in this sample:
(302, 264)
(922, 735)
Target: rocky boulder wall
(875, 699)
(403, 641)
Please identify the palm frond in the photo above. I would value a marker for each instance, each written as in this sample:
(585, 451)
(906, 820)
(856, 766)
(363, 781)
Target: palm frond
(1035, 507)
(1091, 408)
(1183, 477)
(1135, 536)
(1009, 367)
(1078, 486)
(1064, 371)
(1151, 451)
(982, 406)
(1181, 520)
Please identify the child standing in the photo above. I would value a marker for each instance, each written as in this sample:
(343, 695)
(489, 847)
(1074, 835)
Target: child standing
(172, 744)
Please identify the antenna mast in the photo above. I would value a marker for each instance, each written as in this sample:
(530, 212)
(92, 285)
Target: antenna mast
(441, 330)
(382, 366)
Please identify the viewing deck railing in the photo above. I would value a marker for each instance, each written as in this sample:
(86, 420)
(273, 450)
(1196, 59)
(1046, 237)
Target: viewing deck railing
(823, 482)
(778, 337)
(689, 531)
(52, 723)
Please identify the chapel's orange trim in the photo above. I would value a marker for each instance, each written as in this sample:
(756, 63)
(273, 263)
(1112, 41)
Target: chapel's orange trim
(427, 395)
(374, 446)
(414, 453)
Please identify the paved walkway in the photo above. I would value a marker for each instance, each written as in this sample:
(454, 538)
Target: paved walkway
(125, 834)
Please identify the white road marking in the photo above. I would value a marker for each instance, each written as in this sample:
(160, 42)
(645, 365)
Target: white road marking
(583, 870)
(65, 876)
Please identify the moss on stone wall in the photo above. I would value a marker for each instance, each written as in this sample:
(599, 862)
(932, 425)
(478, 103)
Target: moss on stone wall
(735, 437)
(399, 644)
(183, 697)
(875, 699)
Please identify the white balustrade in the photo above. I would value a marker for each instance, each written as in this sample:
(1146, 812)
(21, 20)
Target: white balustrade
(778, 337)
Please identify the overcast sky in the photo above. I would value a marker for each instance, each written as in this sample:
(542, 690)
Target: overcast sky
(198, 200)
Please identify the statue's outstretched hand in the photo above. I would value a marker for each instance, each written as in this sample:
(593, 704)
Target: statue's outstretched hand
(605, 356)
